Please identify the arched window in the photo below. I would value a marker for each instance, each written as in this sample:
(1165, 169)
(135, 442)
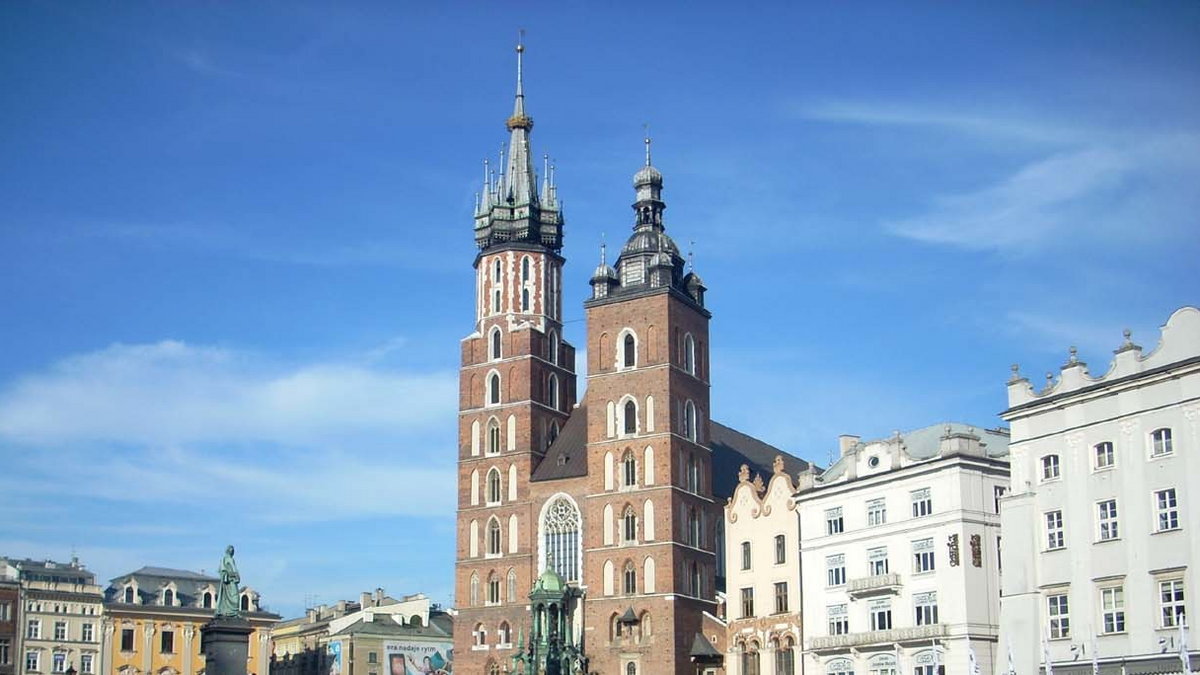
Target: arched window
(416, 621)
(495, 300)
(1160, 442)
(168, 597)
(512, 585)
(629, 351)
(750, 659)
(630, 578)
(524, 299)
(504, 633)
(524, 269)
(1050, 469)
(493, 446)
(129, 595)
(208, 599)
(552, 391)
(689, 353)
(629, 525)
(631, 668)
(693, 473)
(493, 486)
(693, 527)
(629, 469)
(493, 393)
(475, 592)
(553, 433)
(493, 537)
(480, 634)
(785, 657)
(245, 603)
(493, 668)
(694, 580)
(630, 417)
(689, 420)
(493, 589)
(495, 344)
(560, 538)
(552, 347)
(496, 269)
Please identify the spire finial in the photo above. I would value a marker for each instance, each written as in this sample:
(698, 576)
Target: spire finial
(520, 62)
(692, 255)
(646, 139)
(603, 250)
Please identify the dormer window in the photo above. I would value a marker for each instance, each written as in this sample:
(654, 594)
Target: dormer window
(245, 602)
(129, 593)
(208, 600)
(168, 597)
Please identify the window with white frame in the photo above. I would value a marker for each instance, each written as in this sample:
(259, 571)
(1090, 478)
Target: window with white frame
(835, 569)
(60, 630)
(88, 633)
(495, 300)
(1103, 455)
(480, 634)
(1106, 520)
(833, 521)
(629, 525)
(839, 619)
(1050, 469)
(998, 491)
(6, 611)
(493, 487)
(629, 351)
(1167, 507)
(493, 589)
(877, 561)
(1160, 442)
(926, 609)
(87, 664)
(493, 537)
(689, 353)
(59, 662)
(923, 558)
(1170, 603)
(629, 469)
(1112, 609)
(5, 652)
(33, 629)
(33, 660)
(493, 394)
(495, 344)
(922, 503)
(876, 512)
(881, 614)
(493, 433)
(745, 555)
(1058, 616)
(1055, 537)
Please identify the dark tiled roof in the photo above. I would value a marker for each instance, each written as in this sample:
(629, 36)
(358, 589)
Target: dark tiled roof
(702, 647)
(731, 449)
(567, 455)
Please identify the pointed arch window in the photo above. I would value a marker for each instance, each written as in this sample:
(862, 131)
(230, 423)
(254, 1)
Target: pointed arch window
(493, 536)
(480, 632)
(495, 344)
(493, 393)
(689, 353)
(493, 446)
(553, 432)
(693, 527)
(504, 634)
(560, 538)
(168, 597)
(689, 420)
(630, 578)
(525, 269)
(493, 589)
(129, 595)
(493, 487)
(475, 592)
(630, 421)
(524, 299)
(629, 469)
(495, 300)
(208, 600)
(496, 270)
(512, 587)
(694, 580)
(629, 525)
(552, 391)
(629, 351)
(552, 347)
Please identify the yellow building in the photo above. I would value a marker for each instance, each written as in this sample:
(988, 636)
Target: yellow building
(153, 618)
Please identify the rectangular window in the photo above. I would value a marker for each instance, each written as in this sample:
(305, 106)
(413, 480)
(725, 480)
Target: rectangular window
(33, 661)
(1107, 519)
(167, 642)
(926, 608)
(372, 657)
(60, 630)
(1060, 620)
(5, 611)
(127, 639)
(876, 512)
(877, 561)
(1168, 509)
(1112, 606)
(781, 597)
(1104, 455)
(745, 555)
(747, 602)
(835, 569)
(5, 655)
(922, 503)
(86, 664)
(839, 620)
(881, 614)
(1160, 443)
(923, 560)
(833, 521)
(780, 549)
(1170, 601)
(998, 492)
(33, 629)
(1050, 469)
(1054, 530)
(87, 633)
(59, 662)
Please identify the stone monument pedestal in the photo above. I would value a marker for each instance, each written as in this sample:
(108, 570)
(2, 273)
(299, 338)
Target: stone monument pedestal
(225, 643)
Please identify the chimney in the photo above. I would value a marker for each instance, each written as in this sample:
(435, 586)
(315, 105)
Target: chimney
(378, 597)
(364, 600)
(312, 615)
(847, 442)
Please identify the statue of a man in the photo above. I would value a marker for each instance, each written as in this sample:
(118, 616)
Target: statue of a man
(228, 602)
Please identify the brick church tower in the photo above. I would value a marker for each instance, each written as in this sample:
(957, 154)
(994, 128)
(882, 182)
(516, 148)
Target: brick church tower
(516, 387)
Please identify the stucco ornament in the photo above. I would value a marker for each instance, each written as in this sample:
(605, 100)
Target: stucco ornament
(227, 593)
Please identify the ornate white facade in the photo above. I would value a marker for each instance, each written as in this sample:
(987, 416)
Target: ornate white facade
(1097, 555)
(898, 545)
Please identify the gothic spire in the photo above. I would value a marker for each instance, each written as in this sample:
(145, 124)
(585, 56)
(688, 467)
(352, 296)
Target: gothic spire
(520, 184)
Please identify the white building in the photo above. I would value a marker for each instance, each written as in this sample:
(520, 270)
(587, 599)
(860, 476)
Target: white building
(762, 576)
(1097, 559)
(899, 559)
(60, 616)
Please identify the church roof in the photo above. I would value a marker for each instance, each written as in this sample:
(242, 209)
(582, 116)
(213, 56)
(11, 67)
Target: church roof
(702, 647)
(567, 455)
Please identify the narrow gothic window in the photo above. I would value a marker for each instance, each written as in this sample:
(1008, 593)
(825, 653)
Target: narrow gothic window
(630, 525)
(689, 420)
(552, 393)
(493, 437)
(689, 354)
(496, 270)
(493, 486)
(524, 299)
(630, 579)
(630, 351)
(495, 300)
(208, 599)
(494, 537)
(524, 270)
(494, 388)
(630, 417)
(474, 590)
(553, 347)
(495, 343)
(512, 587)
(629, 468)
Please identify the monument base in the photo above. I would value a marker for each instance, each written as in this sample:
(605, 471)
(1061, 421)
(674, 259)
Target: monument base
(225, 643)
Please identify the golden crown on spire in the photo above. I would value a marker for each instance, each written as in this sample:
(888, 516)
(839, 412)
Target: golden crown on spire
(519, 122)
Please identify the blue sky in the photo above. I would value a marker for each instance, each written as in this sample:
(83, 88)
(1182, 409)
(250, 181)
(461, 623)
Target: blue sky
(235, 248)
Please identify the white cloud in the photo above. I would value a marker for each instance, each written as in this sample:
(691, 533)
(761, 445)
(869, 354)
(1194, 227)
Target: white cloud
(891, 113)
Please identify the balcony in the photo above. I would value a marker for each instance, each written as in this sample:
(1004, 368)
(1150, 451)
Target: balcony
(875, 637)
(879, 584)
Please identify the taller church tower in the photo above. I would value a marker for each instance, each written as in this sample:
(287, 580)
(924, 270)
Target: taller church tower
(516, 389)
